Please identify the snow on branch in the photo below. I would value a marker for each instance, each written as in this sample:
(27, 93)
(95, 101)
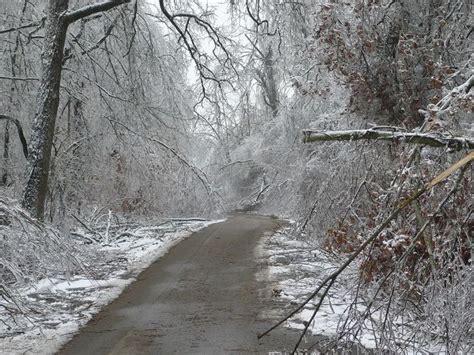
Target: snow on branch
(182, 23)
(432, 140)
(93, 9)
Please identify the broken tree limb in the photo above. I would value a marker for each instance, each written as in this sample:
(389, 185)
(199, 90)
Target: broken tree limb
(432, 140)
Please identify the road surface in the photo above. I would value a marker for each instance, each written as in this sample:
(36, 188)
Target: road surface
(200, 298)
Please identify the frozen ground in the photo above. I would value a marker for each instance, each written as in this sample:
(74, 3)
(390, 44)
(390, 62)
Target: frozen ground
(54, 309)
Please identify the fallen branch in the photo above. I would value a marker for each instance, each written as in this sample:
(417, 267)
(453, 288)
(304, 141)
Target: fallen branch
(328, 281)
(431, 140)
(265, 188)
(88, 228)
(188, 219)
(82, 236)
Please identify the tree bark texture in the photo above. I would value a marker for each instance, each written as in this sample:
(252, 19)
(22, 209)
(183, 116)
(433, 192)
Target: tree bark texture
(47, 107)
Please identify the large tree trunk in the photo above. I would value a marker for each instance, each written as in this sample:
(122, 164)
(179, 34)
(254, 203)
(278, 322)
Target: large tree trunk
(58, 20)
(47, 107)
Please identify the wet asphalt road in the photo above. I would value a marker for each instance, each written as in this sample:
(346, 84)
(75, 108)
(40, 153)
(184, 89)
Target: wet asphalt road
(200, 298)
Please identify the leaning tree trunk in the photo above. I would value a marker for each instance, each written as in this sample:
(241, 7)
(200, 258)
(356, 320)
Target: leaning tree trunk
(47, 108)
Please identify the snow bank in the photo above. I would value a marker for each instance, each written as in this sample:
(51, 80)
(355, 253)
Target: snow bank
(295, 268)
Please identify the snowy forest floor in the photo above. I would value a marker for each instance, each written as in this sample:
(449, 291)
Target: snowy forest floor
(54, 309)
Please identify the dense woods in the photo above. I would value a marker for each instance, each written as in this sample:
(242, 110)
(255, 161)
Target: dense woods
(337, 114)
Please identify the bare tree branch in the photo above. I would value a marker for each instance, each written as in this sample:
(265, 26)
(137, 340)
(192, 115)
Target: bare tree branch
(85, 11)
(39, 24)
(434, 114)
(256, 18)
(15, 78)
(204, 70)
(134, 33)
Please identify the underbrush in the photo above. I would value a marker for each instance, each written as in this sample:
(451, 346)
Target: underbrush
(30, 251)
(413, 286)
(52, 281)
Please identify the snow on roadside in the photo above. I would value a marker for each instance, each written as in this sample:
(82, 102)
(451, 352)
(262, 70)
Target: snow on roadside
(295, 269)
(55, 309)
